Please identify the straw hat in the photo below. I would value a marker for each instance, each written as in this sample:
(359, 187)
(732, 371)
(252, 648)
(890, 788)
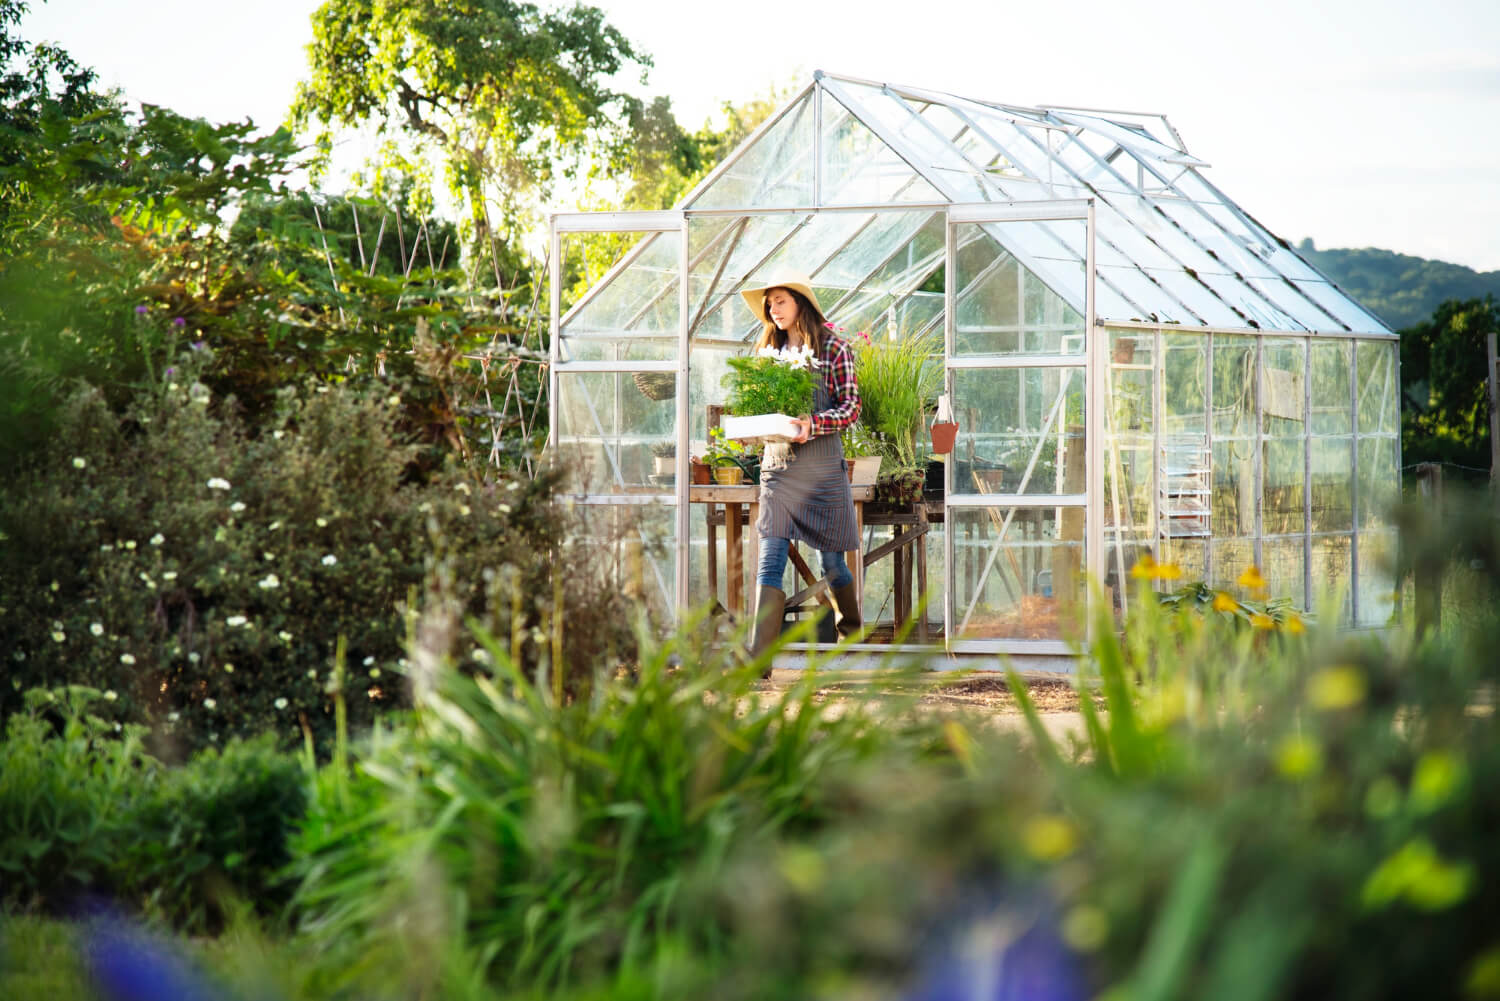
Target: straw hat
(755, 298)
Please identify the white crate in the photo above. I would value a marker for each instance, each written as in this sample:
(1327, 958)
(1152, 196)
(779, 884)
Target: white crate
(760, 427)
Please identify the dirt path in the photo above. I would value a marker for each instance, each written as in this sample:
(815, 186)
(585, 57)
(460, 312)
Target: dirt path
(1055, 698)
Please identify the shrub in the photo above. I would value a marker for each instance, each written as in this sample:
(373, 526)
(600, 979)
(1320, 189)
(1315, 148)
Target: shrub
(205, 574)
(541, 843)
(85, 811)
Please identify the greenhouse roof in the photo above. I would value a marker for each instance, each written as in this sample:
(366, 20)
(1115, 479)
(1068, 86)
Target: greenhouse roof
(1171, 247)
(851, 180)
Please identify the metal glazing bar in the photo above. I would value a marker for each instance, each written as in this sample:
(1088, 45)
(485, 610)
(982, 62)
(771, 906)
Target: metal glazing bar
(1170, 185)
(682, 563)
(1054, 160)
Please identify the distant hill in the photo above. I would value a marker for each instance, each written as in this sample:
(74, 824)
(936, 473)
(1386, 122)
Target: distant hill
(1400, 289)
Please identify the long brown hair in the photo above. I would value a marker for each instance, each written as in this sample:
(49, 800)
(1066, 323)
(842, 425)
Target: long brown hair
(810, 322)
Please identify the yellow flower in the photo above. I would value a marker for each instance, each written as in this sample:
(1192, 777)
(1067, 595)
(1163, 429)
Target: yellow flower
(1224, 603)
(1260, 620)
(1049, 837)
(1294, 625)
(1147, 568)
(1251, 579)
(1338, 687)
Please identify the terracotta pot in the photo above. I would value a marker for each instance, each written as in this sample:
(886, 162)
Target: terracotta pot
(702, 472)
(728, 476)
(944, 433)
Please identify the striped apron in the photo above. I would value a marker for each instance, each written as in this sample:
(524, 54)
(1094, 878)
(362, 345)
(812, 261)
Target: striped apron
(809, 500)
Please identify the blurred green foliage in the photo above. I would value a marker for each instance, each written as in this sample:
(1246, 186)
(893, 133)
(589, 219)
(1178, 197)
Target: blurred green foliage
(87, 816)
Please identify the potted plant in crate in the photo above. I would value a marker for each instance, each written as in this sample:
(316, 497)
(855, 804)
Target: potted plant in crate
(725, 456)
(766, 391)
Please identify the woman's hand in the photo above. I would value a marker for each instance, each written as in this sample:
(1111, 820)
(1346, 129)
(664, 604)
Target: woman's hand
(804, 428)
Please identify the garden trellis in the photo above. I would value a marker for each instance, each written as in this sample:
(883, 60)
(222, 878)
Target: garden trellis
(1138, 367)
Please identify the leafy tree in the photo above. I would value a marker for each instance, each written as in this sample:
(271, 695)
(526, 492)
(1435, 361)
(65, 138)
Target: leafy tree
(506, 93)
(1445, 396)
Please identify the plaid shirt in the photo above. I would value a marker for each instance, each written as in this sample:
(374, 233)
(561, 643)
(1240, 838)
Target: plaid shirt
(836, 361)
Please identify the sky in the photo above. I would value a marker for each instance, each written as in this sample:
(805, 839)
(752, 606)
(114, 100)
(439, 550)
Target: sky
(1369, 123)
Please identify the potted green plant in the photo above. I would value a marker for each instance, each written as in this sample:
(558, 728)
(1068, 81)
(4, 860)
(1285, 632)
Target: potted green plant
(724, 455)
(899, 379)
(664, 454)
(766, 390)
(862, 452)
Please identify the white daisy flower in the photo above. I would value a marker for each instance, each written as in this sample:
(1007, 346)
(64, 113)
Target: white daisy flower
(218, 483)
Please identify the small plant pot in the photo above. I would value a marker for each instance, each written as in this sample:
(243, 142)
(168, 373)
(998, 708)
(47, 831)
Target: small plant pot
(703, 473)
(728, 476)
(665, 464)
(944, 433)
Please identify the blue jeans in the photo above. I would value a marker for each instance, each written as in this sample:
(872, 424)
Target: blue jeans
(773, 556)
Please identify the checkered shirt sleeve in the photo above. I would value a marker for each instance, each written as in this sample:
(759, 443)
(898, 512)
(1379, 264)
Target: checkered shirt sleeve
(838, 376)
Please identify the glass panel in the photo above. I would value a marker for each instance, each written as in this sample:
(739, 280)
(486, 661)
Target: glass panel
(935, 156)
(1130, 386)
(632, 544)
(1284, 472)
(607, 425)
(1231, 558)
(1379, 481)
(1332, 574)
(1234, 386)
(1013, 426)
(1283, 396)
(1332, 484)
(1234, 488)
(1330, 386)
(1349, 313)
(617, 348)
(1282, 564)
(776, 170)
(1002, 308)
(1019, 572)
(1376, 587)
(1184, 384)
(640, 300)
(885, 246)
(1188, 554)
(1127, 492)
(1378, 397)
(860, 169)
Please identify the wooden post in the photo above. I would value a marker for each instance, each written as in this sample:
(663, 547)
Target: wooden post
(1494, 384)
(1428, 566)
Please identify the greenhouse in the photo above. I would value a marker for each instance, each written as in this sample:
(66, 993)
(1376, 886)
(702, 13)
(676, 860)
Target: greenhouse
(1139, 370)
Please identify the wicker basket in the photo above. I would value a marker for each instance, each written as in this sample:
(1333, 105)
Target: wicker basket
(656, 385)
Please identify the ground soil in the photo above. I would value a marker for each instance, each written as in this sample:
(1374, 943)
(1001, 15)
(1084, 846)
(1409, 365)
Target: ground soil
(983, 692)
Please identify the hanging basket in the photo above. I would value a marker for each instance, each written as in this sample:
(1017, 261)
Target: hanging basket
(656, 385)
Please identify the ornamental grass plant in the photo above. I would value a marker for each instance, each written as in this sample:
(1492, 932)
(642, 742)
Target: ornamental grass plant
(899, 382)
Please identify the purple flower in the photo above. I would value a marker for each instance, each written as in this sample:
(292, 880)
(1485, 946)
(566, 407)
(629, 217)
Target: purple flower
(171, 370)
(199, 345)
(178, 321)
(140, 310)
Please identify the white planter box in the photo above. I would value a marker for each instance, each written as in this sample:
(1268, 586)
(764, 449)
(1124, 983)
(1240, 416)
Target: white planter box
(866, 470)
(760, 427)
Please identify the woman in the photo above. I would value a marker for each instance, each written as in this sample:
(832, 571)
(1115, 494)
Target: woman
(804, 491)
